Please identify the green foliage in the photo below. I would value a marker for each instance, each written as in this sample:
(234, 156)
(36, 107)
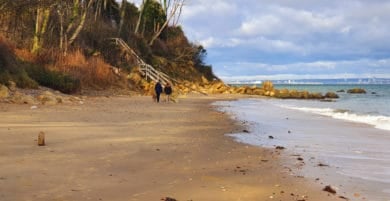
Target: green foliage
(23, 80)
(176, 55)
(153, 18)
(129, 21)
(53, 79)
(5, 77)
(20, 77)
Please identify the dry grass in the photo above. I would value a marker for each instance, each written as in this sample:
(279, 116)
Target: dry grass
(92, 72)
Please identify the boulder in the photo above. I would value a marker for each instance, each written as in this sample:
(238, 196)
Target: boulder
(268, 86)
(331, 95)
(283, 93)
(20, 98)
(316, 96)
(258, 91)
(4, 92)
(48, 98)
(204, 80)
(12, 86)
(356, 91)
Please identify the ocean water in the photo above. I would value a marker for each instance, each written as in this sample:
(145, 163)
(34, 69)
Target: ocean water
(351, 135)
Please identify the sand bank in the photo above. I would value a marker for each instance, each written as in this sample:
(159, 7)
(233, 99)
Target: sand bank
(122, 148)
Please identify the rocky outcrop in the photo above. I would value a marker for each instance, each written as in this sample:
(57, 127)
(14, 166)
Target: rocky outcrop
(356, 91)
(331, 95)
(39, 97)
(20, 98)
(4, 92)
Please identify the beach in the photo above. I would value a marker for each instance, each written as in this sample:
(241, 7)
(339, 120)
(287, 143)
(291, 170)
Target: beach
(131, 148)
(349, 155)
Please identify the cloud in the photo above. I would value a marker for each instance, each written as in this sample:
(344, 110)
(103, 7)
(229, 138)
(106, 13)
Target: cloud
(309, 70)
(298, 38)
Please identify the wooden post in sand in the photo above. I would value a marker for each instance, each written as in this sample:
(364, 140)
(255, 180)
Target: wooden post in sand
(41, 139)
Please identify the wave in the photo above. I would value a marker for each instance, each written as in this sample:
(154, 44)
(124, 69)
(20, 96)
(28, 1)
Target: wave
(379, 121)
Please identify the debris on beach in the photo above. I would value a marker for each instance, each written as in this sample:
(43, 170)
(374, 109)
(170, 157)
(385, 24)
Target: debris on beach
(245, 131)
(322, 165)
(329, 189)
(271, 137)
(342, 197)
(41, 139)
(168, 199)
(280, 147)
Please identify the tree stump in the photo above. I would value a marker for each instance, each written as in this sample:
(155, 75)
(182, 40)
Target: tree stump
(41, 139)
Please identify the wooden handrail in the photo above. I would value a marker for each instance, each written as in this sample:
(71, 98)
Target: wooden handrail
(147, 70)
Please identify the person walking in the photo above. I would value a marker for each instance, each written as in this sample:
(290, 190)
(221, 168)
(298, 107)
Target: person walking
(158, 89)
(168, 91)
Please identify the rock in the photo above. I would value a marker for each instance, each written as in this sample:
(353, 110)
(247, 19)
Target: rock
(340, 91)
(283, 93)
(329, 189)
(280, 147)
(34, 107)
(4, 92)
(327, 100)
(356, 91)
(270, 137)
(316, 96)
(331, 95)
(168, 199)
(322, 165)
(204, 80)
(20, 98)
(41, 139)
(258, 91)
(12, 86)
(268, 86)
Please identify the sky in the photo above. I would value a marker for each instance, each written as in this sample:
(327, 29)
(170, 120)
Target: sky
(291, 39)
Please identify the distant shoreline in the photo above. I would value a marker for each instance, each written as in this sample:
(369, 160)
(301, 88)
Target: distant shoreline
(351, 81)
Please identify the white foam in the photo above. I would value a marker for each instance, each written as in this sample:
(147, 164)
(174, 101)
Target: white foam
(379, 122)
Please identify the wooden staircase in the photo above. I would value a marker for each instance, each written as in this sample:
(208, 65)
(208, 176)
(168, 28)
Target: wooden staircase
(145, 69)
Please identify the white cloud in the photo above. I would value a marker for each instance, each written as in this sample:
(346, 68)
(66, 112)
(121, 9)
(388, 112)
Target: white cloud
(284, 37)
(318, 69)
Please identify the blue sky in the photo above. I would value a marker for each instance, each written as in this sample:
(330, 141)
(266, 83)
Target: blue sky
(291, 39)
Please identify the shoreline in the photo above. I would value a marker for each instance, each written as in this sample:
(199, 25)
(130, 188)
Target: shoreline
(122, 148)
(328, 151)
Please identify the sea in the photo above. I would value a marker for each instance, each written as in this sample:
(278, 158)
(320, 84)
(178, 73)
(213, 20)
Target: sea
(344, 143)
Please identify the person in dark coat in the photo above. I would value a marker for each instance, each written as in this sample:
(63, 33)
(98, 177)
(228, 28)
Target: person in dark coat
(158, 89)
(168, 91)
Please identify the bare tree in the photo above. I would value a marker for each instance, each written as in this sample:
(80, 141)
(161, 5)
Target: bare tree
(77, 20)
(141, 13)
(40, 27)
(122, 16)
(174, 9)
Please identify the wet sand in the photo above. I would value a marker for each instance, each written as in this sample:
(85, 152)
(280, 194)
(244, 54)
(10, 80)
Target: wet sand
(130, 148)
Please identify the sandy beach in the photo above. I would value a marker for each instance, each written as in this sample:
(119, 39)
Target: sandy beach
(130, 148)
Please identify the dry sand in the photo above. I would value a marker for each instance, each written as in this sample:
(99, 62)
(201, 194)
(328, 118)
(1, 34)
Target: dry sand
(121, 148)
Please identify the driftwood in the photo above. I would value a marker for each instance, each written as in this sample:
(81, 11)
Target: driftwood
(41, 139)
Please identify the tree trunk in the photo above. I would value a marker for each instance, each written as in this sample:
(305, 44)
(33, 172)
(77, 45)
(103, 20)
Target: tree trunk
(141, 13)
(70, 38)
(122, 17)
(40, 28)
(176, 6)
